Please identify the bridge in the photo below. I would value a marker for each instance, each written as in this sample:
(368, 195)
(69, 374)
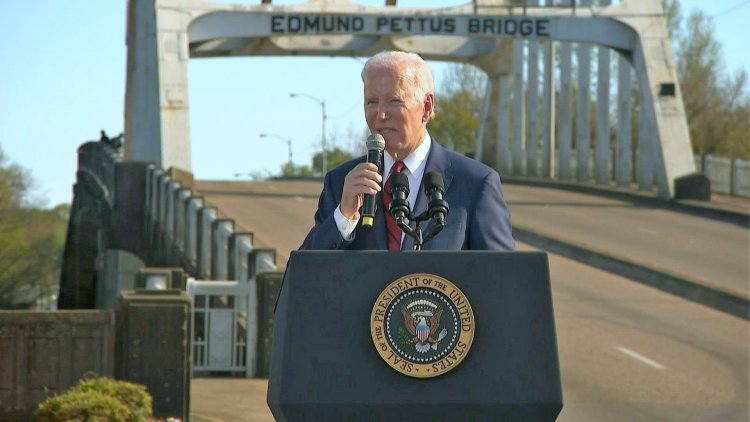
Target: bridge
(651, 286)
(633, 346)
(651, 297)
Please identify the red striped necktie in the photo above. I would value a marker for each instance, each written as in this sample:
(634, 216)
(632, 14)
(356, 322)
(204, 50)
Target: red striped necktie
(394, 232)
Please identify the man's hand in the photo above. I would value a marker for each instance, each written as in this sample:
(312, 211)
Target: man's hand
(363, 179)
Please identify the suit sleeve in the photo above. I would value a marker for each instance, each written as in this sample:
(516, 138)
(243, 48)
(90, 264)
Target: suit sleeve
(490, 227)
(325, 234)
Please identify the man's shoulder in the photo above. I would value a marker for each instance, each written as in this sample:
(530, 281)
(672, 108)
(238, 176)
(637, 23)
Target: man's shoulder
(467, 165)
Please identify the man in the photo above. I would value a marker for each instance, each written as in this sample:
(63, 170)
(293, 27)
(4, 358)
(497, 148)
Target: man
(399, 100)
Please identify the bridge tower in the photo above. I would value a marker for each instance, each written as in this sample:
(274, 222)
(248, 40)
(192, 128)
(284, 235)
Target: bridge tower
(514, 42)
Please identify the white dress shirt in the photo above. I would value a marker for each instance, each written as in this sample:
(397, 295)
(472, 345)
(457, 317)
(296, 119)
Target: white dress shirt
(415, 164)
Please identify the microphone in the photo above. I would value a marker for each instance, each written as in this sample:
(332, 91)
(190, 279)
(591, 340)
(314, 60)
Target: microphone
(375, 146)
(435, 189)
(399, 192)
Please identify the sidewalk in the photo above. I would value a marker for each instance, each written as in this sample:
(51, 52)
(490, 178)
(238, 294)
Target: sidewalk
(229, 400)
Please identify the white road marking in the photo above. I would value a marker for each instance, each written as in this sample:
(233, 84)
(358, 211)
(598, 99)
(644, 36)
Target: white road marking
(640, 357)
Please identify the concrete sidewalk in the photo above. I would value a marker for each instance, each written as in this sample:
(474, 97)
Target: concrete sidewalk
(229, 399)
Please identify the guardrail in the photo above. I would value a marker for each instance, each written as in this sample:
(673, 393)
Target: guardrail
(730, 176)
(187, 232)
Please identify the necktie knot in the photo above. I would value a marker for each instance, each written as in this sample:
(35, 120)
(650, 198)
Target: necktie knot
(397, 167)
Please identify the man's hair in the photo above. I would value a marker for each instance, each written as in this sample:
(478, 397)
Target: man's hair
(417, 75)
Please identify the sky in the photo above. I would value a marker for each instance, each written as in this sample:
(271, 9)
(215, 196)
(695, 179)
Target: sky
(62, 80)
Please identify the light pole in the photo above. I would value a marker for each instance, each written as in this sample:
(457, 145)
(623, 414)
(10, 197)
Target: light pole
(287, 140)
(322, 104)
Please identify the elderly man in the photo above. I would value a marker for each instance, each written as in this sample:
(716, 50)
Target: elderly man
(399, 100)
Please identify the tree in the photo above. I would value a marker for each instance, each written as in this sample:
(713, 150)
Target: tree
(334, 158)
(457, 107)
(717, 105)
(31, 240)
(292, 170)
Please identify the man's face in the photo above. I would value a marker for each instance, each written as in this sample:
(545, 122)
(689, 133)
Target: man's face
(392, 111)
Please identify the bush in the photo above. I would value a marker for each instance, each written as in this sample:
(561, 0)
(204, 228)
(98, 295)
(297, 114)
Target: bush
(89, 406)
(98, 399)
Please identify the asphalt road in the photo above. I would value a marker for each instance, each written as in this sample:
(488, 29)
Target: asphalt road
(627, 351)
(710, 251)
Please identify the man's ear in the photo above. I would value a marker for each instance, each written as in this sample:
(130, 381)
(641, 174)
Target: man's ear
(428, 107)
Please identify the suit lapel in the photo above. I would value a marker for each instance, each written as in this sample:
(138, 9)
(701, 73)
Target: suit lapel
(438, 161)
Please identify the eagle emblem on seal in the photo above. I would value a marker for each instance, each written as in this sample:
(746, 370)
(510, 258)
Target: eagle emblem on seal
(422, 321)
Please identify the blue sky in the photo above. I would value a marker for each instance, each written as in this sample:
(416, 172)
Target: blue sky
(63, 79)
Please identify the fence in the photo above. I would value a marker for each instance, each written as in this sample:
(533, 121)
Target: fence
(189, 233)
(730, 176)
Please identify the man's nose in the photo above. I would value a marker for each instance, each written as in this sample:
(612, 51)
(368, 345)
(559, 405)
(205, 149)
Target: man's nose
(382, 113)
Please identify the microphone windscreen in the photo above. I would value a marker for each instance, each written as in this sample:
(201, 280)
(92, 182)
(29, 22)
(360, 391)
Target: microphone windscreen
(433, 180)
(375, 141)
(399, 180)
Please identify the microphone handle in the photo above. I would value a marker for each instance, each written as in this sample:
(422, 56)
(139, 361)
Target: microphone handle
(370, 203)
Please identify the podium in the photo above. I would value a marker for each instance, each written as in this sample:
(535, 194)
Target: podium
(326, 366)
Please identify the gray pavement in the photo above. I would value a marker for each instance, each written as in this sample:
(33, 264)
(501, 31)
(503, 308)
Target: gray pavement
(687, 248)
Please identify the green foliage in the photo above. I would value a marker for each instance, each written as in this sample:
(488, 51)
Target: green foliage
(457, 106)
(31, 241)
(334, 158)
(98, 399)
(717, 104)
(82, 406)
(292, 170)
(134, 396)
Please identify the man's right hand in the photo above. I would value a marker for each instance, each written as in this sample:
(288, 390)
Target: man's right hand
(362, 179)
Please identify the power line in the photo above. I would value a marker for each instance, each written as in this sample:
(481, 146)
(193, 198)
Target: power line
(731, 9)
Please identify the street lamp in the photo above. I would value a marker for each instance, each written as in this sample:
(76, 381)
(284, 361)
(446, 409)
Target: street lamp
(287, 140)
(322, 104)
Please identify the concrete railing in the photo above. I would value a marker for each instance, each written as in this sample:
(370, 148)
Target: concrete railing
(730, 176)
(45, 353)
(187, 232)
(190, 231)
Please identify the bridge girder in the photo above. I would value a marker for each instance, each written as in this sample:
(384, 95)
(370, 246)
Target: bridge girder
(164, 34)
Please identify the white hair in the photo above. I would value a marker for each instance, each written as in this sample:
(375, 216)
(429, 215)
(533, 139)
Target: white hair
(417, 75)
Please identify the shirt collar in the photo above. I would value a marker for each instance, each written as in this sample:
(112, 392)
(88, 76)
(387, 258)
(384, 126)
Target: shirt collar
(415, 161)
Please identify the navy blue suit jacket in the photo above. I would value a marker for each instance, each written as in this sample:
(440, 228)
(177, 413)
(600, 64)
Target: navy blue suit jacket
(478, 218)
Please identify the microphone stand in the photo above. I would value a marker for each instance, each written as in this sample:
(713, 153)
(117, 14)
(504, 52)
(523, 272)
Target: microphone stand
(416, 232)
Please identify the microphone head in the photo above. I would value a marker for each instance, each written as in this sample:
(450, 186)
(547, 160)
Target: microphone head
(399, 181)
(432, 181)
(375, 142)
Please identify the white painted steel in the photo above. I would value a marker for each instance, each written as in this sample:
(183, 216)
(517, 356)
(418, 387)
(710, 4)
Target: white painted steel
(207, 220)
(191, 229)
(583, 113)
(226, 344)
(565, 124)
(518, 107)
(160, 43)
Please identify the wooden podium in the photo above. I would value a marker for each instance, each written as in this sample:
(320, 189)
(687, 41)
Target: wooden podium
(325, 365)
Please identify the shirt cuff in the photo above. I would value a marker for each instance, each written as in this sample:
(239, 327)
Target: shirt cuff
(346, 226)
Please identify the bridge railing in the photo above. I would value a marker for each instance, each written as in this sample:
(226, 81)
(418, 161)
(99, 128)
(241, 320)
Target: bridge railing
(186, 231)
(730, 176)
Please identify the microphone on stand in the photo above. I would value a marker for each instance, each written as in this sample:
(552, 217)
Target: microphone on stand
(434, 188)
(400, 193)
(375, 146)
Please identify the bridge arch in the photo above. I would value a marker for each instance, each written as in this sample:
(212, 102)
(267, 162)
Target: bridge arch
(522, 132)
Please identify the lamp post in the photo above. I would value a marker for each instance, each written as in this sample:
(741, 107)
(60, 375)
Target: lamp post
(287, 140)
(322, 104)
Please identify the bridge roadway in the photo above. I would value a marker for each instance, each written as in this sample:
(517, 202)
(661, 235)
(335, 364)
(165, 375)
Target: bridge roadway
(627, 351)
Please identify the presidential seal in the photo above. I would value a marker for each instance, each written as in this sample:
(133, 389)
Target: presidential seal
(422, 325)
